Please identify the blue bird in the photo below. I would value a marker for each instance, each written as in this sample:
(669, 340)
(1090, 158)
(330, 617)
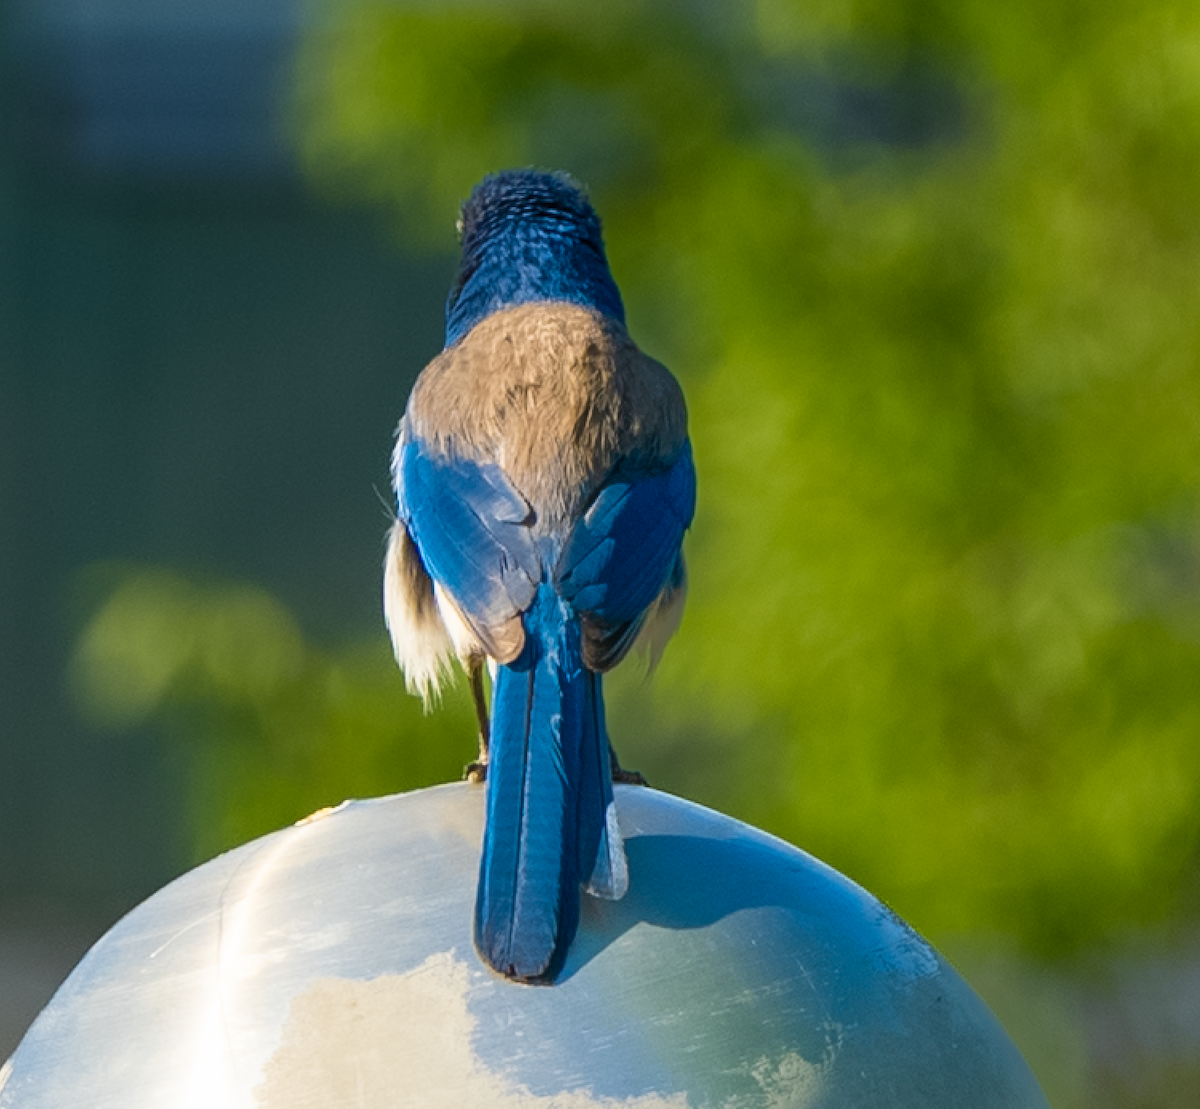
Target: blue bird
(544, 482)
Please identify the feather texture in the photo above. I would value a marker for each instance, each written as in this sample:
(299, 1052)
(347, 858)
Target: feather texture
(549, 795)
(529, 237)
(418, 633)
(558, 397)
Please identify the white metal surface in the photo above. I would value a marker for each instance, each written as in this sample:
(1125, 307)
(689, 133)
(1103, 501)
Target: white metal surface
(330, 964)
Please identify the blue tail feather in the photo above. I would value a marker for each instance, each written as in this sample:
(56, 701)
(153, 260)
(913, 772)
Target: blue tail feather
(549, 796)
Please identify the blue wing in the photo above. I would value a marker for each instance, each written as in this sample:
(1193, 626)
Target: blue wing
(472, 529)
(623, 552)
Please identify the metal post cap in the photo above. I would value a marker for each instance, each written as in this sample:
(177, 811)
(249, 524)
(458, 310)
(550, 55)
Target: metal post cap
(330, 965)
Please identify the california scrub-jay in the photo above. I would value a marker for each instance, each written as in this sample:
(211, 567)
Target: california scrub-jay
(544, 480)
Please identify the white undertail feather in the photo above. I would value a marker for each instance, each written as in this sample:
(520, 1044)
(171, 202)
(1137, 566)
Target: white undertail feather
(466, 642)
(617, 871)
(419, 638)
(662, 622)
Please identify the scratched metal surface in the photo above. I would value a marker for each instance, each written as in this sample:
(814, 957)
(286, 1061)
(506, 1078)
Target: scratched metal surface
(330, 964)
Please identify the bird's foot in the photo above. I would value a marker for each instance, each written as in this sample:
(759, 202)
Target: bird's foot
(475, 772)
(622, 776)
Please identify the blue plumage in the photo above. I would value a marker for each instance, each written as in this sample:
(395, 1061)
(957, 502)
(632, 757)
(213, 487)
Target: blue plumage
(544, 481)
(651, 511)
(471, 527)
(544, 826)
(527, 237)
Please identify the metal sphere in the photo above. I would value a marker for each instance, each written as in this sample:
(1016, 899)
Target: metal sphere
(330, 964)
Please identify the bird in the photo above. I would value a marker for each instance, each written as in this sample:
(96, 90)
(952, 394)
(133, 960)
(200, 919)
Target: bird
(544, 483)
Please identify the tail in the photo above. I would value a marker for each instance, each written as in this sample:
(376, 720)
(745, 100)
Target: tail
(551, 827)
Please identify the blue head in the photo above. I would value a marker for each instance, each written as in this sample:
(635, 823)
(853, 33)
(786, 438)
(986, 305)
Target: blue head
(529, 236)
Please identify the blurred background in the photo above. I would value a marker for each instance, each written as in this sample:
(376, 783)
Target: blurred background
(930, 275)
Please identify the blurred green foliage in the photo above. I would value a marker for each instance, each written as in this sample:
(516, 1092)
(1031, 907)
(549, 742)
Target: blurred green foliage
(276, 727)
(930, 274)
